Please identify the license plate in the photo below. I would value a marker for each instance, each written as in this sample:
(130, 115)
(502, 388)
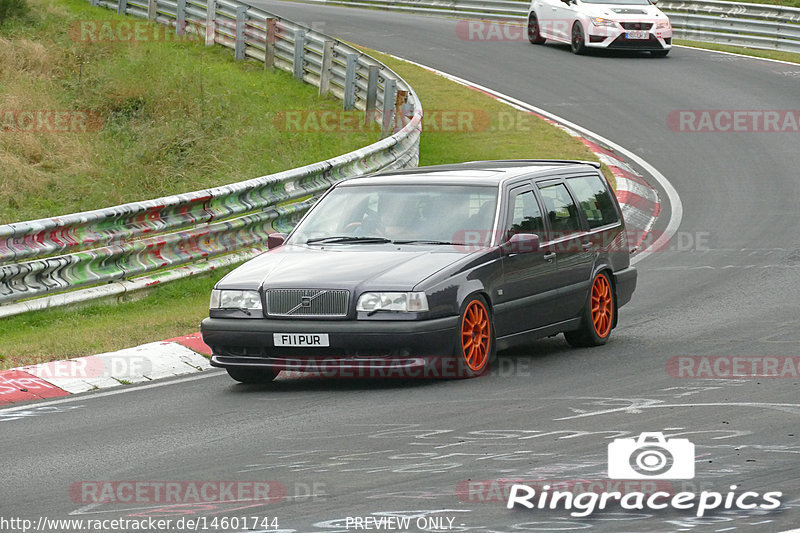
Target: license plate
(636, 35)
(304, 340)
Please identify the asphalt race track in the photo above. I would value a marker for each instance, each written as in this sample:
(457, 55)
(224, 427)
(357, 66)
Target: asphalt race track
(729, 285)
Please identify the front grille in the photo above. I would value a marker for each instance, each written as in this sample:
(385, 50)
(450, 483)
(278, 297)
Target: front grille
(307, 302)
(637, 25)
(621, 43)
(270, 352)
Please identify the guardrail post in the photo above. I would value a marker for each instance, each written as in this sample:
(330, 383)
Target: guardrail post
(372, 93)
(211, 22)
(152, 9)
(238, 51)
(389, 90)
(180, 17)
(350, 82)
(299, 53)
(325, 71)
(400, 101)
(408, 110)
(122, 6)
(269, 46)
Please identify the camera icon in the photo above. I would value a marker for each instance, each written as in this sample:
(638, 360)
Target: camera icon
(651, 456)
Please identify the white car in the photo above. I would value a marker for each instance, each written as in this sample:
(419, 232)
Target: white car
(609, 24)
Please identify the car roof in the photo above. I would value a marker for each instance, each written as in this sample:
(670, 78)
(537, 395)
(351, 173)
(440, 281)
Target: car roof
(473, 172)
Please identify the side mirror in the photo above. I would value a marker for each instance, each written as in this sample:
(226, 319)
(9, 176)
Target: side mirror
(522, 243)
(275, 240)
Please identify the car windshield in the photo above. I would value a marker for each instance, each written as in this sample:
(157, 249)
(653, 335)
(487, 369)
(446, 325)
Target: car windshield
(619, 2)
(403, 214)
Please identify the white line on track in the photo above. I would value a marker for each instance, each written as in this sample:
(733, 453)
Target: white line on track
(744, 56)
(90, 396)
(676, 207)
(791, 408)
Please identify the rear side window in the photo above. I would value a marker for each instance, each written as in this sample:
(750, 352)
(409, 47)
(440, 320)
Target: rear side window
(595, 200)
(561, 210)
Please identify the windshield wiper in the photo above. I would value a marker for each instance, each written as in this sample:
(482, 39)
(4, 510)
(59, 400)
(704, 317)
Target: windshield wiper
(428, 241)
(343, 239)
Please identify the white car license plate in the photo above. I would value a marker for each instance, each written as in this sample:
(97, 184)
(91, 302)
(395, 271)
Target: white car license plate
(305, 340)
(637, 35)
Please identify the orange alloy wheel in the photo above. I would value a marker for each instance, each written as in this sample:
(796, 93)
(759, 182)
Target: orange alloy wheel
(476, 335)
(602, 306)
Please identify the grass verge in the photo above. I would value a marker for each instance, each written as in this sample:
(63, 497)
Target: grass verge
(753, 52)
(462, 124)
(490, 131)
(163, 115)
(165, 311)
(787, 3)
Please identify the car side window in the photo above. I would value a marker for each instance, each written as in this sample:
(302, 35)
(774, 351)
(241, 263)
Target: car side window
(595, 200)
(525, 215)
(561, 210)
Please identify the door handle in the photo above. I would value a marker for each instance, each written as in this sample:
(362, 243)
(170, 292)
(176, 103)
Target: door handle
(586, 245)
(549, 257)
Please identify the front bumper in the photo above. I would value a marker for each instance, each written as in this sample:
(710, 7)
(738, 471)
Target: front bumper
(249, 342)
(615, 39)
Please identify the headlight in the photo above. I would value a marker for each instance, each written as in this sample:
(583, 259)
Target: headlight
(227, 299)
(371, 302)
(600, 21)
(663, 25)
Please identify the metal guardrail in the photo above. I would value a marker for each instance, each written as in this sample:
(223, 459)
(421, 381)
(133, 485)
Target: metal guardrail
(750, 25)
(760, 26)
(42, 257)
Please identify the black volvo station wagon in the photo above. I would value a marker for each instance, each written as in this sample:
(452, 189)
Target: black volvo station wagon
(447, 263)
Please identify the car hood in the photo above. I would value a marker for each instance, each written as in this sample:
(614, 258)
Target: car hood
(376, 266)
(624, 12)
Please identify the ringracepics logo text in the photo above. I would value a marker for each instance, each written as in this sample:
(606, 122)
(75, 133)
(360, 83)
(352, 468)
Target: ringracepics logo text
(650, 456)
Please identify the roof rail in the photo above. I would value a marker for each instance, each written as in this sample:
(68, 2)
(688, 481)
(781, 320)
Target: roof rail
(548, 161)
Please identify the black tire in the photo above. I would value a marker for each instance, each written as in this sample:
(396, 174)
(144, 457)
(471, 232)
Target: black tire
(253, 376)
(578, 41)
(533, 30)
(659, 53)
(475, 345)
(599, 314)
